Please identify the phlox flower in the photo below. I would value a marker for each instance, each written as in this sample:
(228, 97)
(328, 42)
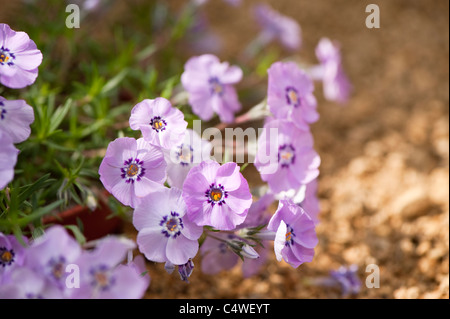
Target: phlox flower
(347, 279)
(336, 85)
(210, 86)
(12, 255)
(286, 158)
(24, 283)
(50, 254)
(217, 196)
(181, 158)
(290, 95)
(8, 159)
(276, 26)
(216, 255)
(103, 276)
(131, 169)
(165, 231)
(161, 124)
(19, 58)
(295, 234)
(16, 117)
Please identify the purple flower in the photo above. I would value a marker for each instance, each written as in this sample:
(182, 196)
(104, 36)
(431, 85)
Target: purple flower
(217, 196)
(165, 232)
(347, 279)
(102, 276)
(336, 84)
(286, 158)
(12, 255)
(290, 95)
(311, 202)
(27, 284)
(191, 152)
(15, 119)
(186, 270)
(19, 58)
(278, 26)
(216, 255)
(210, 87)
(160, 123)
(258, 213)
(51, 253)
(251, 267)
(295, 234)
(132, 169)
(8, 159)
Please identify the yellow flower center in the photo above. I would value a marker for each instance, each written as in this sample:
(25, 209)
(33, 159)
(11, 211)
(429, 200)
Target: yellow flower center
(132, 170)
(3, 58)
(6, 257)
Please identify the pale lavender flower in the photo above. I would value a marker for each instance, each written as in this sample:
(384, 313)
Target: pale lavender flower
(27, 284)
(210, 86)
(132, 169)
(16, 117)
(165, 231)
(295, 234)
(336, 85)
(347, 279)
(49, 255)
(8, 159)
(278, 27)
(19, 58)
(290, 95)
(161, 124)
(191, 152)
(286, 158)
(102, 276)
(12, 255)
(311, 202)
(217, 196)
(251, 267)
(216, 255)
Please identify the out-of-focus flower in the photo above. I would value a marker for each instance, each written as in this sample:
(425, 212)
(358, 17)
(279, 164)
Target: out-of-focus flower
(348, 280)
(132, 169)
(16, 117)
(184, 156)
(161, 124)
(286, 158)
(8, 159)
(12, 255)
(210, 86)
(216, 255)
(19, 58)
(217, 196)
(26, 284)
(336, 85)
(165, 231)
(295, 234)
(102, 276)
(278, 27)
(311, 202)
(290, 95)
(49, 255)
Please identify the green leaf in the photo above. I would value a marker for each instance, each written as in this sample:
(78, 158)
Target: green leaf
(114, 82)
(59, 115)
(81, 239)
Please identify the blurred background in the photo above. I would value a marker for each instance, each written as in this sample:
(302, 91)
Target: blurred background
(384, 180)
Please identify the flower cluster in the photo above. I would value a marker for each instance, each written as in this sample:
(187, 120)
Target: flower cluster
(19, 61)
(55, 266)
